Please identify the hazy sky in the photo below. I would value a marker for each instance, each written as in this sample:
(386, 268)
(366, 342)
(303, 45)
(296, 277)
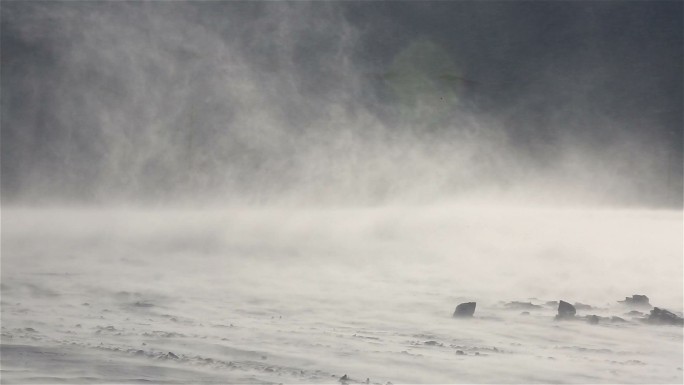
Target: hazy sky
(341, 101)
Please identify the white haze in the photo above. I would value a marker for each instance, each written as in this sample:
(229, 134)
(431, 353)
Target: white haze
(312, 294)
(242, 185)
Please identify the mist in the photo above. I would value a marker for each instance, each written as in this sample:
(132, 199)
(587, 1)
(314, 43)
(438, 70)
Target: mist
(303, 192)
(343, 103)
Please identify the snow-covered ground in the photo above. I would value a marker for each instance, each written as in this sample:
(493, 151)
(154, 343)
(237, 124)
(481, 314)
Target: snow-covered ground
(307, 296)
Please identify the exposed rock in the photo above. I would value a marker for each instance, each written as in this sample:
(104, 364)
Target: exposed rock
(592, 319)
(617, 319)
(521, 305)
(664, 317)
(634, 313)
(171, 355)
(637, 300)
(565, 311)
(582, 306)
(466, 309)
(460, 353)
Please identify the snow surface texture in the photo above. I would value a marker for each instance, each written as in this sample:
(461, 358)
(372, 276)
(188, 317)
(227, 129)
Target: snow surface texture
(307, 296)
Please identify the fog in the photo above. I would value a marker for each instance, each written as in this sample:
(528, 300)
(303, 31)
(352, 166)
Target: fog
(291, 192)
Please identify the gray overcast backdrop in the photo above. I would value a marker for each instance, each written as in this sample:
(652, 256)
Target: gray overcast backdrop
(344, 102)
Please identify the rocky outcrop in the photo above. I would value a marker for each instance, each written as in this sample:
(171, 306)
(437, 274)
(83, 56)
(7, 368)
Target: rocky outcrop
(465, 310)
(664, 317)
(637, 300)
(582, 306)
(565, 311)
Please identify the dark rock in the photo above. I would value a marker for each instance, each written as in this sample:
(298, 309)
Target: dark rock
(460, 353)
(171, 355)
(565, 311)
(592, 319)
(617, 319)
(664, 317)
(432, 343)
(344, 379)
(637, 300)
(634, 313)
(525, 313)
(516, 305)
(466, 309)
(581, 306)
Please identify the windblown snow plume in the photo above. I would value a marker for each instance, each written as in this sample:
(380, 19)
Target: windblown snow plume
(341, 192)
(340, 103)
